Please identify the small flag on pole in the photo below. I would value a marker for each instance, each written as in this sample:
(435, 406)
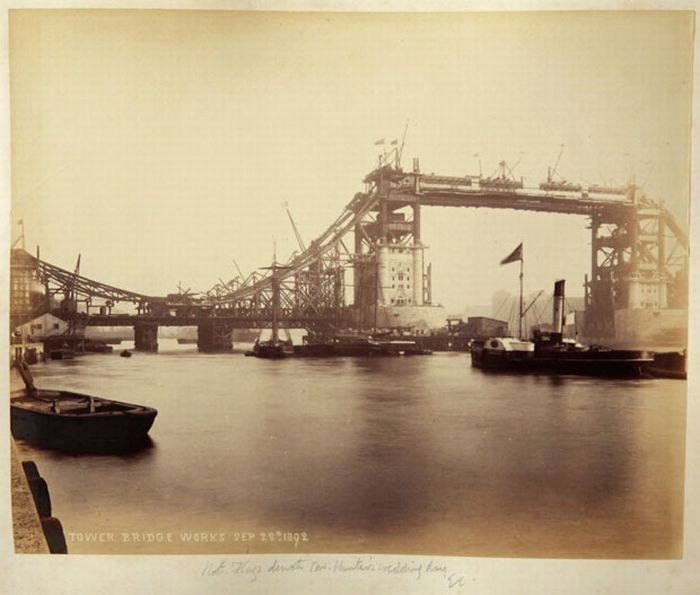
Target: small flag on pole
(515, 255)
(379, 142)
(395, 141)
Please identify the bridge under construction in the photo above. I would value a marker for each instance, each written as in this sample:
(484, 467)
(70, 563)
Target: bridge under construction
(639, 261)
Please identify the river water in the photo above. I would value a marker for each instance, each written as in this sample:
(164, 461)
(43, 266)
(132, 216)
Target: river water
(412, 455)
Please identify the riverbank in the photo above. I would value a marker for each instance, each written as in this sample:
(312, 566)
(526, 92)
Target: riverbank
(27, 529)
(26, 525)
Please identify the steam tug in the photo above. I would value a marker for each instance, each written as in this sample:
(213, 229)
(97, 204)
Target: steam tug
(549, 352)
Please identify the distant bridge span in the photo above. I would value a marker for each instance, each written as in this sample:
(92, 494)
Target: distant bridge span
(631, 263)
(639, 251)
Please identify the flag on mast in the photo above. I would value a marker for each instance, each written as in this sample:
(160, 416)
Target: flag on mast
(515, 255)
(379, 142)
(395, 141)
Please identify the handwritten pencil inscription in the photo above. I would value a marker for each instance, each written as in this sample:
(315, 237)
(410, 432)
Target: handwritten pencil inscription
(253, 570)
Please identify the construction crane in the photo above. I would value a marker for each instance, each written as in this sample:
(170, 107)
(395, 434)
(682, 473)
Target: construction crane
(302, 246)
(74, 281)
(553, 184)
(71, 295)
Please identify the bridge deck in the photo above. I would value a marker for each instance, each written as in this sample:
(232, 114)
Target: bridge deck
(525, 201)
(231, 321)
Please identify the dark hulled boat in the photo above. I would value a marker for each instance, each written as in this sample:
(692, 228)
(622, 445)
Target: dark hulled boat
(551, 354)
(315, 349)
(62, 353)
(402, 347)
(273, 349)
(670, 364)
(351, 344)
(357, 345)
(77, 423)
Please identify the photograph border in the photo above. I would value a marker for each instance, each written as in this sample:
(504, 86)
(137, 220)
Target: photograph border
(184, 573)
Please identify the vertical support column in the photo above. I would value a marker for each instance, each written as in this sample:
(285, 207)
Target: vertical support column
(383, 273)
(428, 285)
(214, 337)
(416, 221)
(383, 220)
(600, 314)
(338, 298)
(595, 226)
(357, 269)
(661, 262)
(418, 287)
(634, 286)
(146, 336)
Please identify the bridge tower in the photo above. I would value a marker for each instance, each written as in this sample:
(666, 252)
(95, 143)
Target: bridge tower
(389, 271)
(632, 268)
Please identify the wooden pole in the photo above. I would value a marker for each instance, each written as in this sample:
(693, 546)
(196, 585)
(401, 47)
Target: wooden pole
(520, 318)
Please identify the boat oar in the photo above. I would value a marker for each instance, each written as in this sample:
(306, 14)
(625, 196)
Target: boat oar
(27, 378)
(33, 392)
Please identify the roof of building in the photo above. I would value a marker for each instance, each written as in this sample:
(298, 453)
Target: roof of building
(487, 318)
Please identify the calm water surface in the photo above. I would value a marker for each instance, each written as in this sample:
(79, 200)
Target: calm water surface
(405, 455)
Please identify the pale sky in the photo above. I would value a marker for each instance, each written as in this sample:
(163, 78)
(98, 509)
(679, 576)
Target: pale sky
(162, 144)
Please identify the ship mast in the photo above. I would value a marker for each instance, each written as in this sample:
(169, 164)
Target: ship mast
(275, 282)
(517, 254)
(275, 306)
(520, 318)
(275, 293)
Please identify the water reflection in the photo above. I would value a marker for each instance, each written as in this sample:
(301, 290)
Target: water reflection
(411, 455)
(392, 451)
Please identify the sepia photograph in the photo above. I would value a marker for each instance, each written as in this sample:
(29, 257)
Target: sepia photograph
(350, 284)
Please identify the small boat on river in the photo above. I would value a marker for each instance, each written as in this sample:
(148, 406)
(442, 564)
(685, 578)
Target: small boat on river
(75, 422)
(402, 347)
(62, 353)
(273, 349)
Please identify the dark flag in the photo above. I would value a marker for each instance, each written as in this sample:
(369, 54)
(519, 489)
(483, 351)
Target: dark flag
(515, 255)
(379, 142)
(395, 141)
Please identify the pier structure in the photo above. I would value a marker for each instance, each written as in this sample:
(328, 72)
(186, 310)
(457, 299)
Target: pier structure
(145, 336)
(639, 265)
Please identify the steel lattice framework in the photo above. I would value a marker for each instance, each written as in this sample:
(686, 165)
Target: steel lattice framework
(635, 242)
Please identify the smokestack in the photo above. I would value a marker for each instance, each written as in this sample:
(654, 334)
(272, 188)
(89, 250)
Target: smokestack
(558, 306)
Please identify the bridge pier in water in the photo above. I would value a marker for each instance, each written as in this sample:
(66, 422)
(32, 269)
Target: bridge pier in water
(214, 337)
(146, 337)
